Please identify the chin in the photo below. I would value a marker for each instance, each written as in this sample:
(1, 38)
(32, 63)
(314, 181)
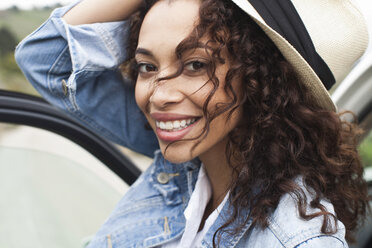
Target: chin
(176, 158)
(177, 155)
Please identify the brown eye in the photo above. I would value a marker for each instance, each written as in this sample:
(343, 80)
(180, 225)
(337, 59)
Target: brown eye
(195, 66)
(146, 68)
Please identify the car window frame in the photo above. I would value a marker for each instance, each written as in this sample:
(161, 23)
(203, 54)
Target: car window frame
(22, 109)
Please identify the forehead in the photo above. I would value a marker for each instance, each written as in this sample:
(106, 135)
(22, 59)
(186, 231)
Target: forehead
(168, 23)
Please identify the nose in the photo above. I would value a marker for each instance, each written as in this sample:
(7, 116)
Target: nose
(165, 94)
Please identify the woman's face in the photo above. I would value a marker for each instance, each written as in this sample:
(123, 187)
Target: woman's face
(174, 107)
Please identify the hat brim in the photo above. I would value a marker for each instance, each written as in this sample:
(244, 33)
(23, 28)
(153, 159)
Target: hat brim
(305, 73)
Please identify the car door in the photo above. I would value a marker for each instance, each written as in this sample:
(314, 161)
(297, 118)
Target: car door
(58, 180)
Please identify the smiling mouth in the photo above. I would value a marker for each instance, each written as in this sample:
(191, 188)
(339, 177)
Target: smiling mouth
(172, 126)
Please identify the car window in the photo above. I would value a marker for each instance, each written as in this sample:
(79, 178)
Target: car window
(54, 193)
(365, 148)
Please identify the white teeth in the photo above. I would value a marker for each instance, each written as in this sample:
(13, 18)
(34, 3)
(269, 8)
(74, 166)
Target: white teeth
(168, 125)
(162, 125)
(175, 125)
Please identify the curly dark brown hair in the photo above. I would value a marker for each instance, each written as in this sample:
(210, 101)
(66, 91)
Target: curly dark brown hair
(284, 134)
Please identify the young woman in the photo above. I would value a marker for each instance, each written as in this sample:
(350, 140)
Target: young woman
(252, 153)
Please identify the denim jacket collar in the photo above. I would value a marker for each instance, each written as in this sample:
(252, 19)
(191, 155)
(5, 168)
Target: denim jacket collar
(171, 186)
(226, 239)
(175, 182)
(177, 192)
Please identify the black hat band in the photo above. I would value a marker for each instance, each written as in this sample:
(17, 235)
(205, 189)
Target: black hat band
(282, 16)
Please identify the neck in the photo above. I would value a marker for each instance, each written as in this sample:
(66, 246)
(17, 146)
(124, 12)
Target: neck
(218, 171)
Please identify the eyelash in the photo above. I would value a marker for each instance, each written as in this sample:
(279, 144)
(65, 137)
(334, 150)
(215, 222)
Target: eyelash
(202, 66)
(146, 69)
(142, 66)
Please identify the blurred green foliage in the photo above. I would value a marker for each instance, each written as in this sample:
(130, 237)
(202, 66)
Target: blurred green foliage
(11, 77)
(15, 24)
(23, 22)
(365, 150)
(8, 41)
(8, 64)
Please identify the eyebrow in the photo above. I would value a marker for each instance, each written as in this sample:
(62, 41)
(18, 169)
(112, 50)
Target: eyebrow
(143, 51)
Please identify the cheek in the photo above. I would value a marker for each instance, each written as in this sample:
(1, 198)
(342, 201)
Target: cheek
(142, 96)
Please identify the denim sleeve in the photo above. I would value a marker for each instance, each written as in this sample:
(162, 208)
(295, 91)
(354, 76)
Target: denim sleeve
(76, 69)
(323, 241)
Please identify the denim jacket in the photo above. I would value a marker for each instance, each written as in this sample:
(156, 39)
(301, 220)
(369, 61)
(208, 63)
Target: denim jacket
(76, 69)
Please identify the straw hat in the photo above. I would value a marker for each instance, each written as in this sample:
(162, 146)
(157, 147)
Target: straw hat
(335, 29)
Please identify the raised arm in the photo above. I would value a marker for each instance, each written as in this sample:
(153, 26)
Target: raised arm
(72, 60)
(93, 11)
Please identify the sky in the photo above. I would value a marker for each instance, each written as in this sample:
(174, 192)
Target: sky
(28, 4)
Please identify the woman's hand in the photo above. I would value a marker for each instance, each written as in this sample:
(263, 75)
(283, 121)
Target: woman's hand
(92, 11)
